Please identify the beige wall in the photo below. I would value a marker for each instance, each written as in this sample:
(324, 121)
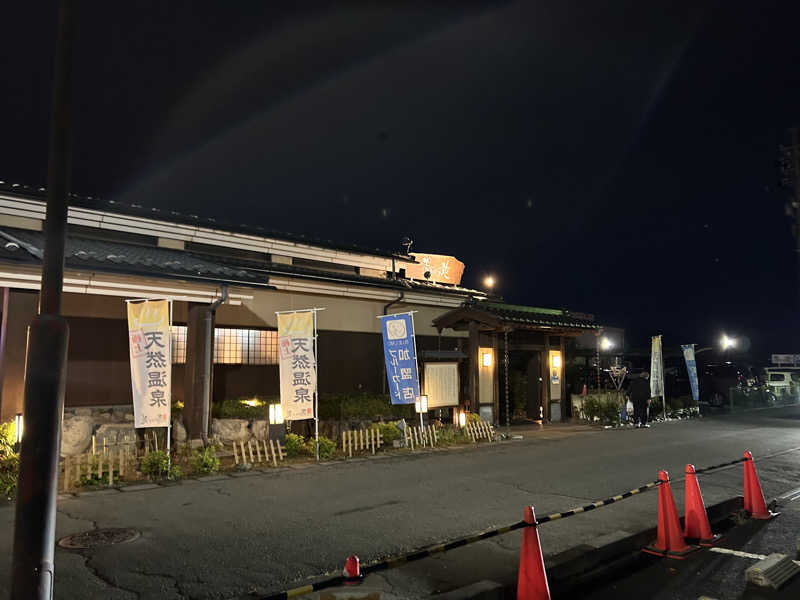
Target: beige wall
(340, 314)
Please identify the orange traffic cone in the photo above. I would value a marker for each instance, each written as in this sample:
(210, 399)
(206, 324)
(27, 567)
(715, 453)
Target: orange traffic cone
(697, 526)
(753, 496)
(670, 540)
(352, 570)
(532, 580)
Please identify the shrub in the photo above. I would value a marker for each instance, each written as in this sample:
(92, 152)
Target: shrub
(326, 447)
(156, 465)
(591, 408)
(9, 475)
(8, 438)
(342, 407)
(204, 460)
(450, 435)
(389, 431)
(249, 407)
(295, 445)
(9, 460)
(473, 417)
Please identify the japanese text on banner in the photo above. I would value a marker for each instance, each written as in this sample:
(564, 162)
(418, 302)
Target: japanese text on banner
(297, 364)
(691, 369)
(151, 363)
(656, 369)
(401, 362)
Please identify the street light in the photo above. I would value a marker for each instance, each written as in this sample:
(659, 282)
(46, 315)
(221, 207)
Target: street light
(603, 343)
(488, 282)
(727, 342)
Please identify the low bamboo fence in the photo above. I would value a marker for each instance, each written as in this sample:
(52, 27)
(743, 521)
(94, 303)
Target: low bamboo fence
(480, 431)
(361, 440)
(272, 450)
(420, 436)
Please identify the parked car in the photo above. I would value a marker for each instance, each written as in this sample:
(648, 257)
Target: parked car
(781, 381)
(716, 381)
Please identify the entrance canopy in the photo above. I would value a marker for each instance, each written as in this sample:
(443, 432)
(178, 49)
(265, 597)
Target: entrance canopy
(498, 317)
(539, 332)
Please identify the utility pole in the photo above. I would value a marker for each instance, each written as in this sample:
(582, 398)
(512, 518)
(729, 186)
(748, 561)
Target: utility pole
(789, 164)
(46, 371)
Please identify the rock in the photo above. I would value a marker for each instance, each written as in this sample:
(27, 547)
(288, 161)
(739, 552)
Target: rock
(260, 429)
(178, 431)
(82, 412)
(230, 430)
(114, 433)
(119, 415)
(76, 435)
(102, 417)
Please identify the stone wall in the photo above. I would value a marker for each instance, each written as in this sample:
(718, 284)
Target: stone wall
(114, 424)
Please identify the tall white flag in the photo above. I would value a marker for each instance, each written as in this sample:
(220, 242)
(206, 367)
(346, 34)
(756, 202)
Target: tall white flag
(656, 369)
(297, 364)
(151, 362)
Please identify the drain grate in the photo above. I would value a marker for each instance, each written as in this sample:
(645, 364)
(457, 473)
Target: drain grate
(98, 537)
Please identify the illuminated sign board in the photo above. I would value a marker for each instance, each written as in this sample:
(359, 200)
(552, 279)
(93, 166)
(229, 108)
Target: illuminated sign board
(438, 267)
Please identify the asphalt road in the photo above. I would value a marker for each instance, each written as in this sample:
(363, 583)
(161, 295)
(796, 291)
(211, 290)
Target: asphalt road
(259, 533)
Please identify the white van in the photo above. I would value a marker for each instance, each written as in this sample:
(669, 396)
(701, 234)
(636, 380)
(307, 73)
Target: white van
(782, 381)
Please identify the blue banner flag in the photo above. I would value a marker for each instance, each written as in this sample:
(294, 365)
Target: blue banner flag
(691, 367)
(401, 360)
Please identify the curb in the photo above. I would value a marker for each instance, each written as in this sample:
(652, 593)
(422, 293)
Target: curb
(583, 566)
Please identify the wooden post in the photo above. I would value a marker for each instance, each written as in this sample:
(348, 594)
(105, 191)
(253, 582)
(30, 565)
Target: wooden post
(122, 460)
(250, 448)
(110, 470)
(235, 455)
(435, 439)
(372, 440)
(380, 438)
(344, 442)
(349, 444)
(280, 450)
(272, 447)
(258, 451)
(94, 442)
(66, 472)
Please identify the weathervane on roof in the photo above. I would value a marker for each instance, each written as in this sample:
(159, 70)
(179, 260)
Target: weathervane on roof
(407, 242)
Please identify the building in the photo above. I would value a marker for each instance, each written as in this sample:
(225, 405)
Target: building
(116, 252)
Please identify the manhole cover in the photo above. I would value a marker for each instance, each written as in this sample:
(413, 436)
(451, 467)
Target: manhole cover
(98, 537)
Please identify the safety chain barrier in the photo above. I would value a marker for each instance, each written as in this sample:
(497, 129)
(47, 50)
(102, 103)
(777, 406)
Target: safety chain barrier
(458, 543)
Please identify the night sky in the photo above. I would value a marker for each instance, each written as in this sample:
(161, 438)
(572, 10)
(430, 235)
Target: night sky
(615, 157)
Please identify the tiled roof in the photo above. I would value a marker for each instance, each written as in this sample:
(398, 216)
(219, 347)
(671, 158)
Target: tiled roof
(172, 216)
(81, 253)
(549, 317)
(136, 259)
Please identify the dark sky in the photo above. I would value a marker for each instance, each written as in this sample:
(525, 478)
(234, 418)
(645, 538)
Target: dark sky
(610, 157)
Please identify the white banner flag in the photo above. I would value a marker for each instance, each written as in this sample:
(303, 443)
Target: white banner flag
(656, 369)
(151, 362)
(298, 364)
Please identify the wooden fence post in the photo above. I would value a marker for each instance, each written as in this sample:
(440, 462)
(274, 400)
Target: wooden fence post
(235, 455)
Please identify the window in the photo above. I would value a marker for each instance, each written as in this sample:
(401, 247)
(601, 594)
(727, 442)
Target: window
(233, 346)
(777, 377)
(178, 343)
